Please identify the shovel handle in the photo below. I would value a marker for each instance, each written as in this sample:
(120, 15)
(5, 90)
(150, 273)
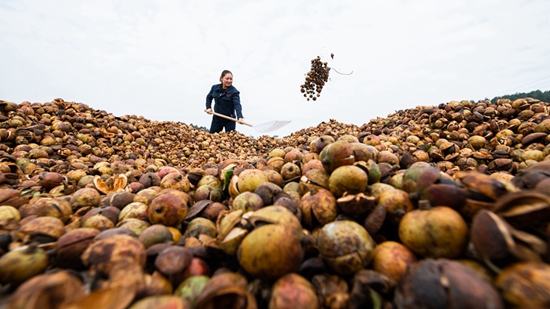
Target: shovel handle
(230, 118)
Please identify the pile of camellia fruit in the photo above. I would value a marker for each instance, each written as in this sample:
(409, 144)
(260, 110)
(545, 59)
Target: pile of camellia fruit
(443, 206)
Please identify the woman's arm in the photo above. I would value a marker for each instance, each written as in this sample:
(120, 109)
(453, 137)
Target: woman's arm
(209, 98)
(237, 104)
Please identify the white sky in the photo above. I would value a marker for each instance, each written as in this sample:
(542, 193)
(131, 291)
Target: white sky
(159, 59)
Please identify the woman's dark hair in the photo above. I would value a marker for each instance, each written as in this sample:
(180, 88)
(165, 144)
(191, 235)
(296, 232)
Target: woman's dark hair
(225, 72)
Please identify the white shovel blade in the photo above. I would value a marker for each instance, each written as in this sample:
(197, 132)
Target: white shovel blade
(270, 126)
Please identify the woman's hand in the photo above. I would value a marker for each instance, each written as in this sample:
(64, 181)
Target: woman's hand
(209, 111)
(241, 121)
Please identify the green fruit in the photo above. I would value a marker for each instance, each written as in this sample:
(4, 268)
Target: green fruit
(19, 265)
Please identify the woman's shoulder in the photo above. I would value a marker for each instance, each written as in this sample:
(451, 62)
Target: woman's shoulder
(232, 89)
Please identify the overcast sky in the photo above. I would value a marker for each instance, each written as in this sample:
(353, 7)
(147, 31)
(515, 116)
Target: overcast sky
(158, 59)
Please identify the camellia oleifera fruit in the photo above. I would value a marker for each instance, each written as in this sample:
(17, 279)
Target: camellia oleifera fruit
(345, 246)
(435, 232)
(273, 250)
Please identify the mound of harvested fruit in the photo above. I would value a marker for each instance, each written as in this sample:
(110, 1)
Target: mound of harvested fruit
(442, 206)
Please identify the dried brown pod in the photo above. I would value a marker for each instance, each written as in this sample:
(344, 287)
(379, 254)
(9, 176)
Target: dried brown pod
(125, 272)
(444, 194)
(50, 180)
(274, 177)
(368, 286)
(149, 179)
(276, 163)
(102, 254)
(484, 185)
(315, 177)
(268, 192)
(364, 152)
(118, 199)
(375, 219)
(71, 245)
(472, 206)
(195, 175)
(498, 242)
(356, 204)
(232, 240)
(111, 297)
(226, 290)
(40, 229)
(227, 220)
(290, 170)
(444, 283)
(118, 183)
(110, 212)
(51, 290)
(161, 302)
(525, 285)
(46, 206)
(523, 208)
(172, 263)
(12, 197)
(318, 206)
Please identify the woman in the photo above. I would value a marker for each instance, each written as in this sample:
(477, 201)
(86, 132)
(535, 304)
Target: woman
(227, 101)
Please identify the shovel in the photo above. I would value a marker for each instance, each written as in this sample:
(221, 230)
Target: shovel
(261, 128)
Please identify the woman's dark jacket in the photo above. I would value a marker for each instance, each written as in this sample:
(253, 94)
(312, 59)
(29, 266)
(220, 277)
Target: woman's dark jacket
(227, 101)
